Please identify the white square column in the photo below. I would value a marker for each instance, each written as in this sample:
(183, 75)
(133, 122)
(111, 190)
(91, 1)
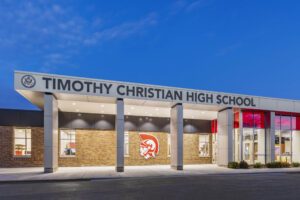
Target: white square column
(120, 135)
(270, 136)
(176, 129)
(225, 137)
(50, 133)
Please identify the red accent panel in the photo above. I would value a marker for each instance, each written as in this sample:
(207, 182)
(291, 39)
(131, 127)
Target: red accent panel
(236, 121)
(214, 126)
(297, 123)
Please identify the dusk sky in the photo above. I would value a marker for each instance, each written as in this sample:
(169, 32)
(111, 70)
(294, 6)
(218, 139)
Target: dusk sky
(246, 47)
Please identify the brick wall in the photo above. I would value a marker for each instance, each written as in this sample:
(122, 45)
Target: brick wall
(134, 150)
(96, 148)
(7, 158)
(93, 148)
(191, 149)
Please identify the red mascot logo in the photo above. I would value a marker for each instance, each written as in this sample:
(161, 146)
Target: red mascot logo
(149, 146)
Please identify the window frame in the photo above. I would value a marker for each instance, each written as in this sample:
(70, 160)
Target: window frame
(60, 144)
(169, 145)
(14, 142)
(208, 142)
(126, 133)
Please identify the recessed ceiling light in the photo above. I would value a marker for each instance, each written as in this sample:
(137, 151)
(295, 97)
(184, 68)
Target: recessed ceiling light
(157, 109)
(74, 104)
(132, 107)
(102, 105)
(202, 112)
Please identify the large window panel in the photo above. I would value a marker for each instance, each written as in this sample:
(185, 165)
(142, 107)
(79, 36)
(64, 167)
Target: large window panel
(254, 137)
(67, 143)
(296, 145)
(22, 142)
(204, 145)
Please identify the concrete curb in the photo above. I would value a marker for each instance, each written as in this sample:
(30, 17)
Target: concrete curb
(141, 177)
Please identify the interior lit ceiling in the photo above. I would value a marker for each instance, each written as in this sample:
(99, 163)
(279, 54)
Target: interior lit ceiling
(106, 105)
(135, 110)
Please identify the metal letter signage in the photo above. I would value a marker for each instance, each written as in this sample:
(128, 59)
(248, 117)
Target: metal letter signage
(149, 146)
(95, 87)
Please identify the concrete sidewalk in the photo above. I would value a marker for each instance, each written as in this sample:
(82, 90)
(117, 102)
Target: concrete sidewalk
(94, 173)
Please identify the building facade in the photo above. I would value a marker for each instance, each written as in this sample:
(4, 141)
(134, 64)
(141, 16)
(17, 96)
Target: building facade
(92, 122)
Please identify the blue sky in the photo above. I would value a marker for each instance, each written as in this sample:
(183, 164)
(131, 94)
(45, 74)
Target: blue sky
(247, 47)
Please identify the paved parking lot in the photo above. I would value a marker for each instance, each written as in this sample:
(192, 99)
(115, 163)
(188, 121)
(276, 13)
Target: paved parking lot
(231, 186)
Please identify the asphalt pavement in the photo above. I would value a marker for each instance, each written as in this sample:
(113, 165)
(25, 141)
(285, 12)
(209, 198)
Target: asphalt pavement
(232, 186)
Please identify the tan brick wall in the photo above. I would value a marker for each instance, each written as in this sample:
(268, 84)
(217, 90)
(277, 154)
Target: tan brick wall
(93, 148)
(191, 149)
(96, 148)
(134, 150)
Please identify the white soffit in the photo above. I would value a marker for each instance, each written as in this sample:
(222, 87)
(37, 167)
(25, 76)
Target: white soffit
(134, 110)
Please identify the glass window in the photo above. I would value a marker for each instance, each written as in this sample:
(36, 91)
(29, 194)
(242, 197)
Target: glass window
(254, 137)
(214, 147)
(259, 120)
(126, 144)
(285, 123)
(169, 145)
(248, 120)
(283, 138)
(204, 145)
(67, 143)
(22, 142)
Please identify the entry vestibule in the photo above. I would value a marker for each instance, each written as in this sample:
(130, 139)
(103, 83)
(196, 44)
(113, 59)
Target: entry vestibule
(253, 134)
(287, 138)
(250, 137)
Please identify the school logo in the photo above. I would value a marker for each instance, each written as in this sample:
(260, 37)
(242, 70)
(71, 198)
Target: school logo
(149, 146)
(28, 81)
